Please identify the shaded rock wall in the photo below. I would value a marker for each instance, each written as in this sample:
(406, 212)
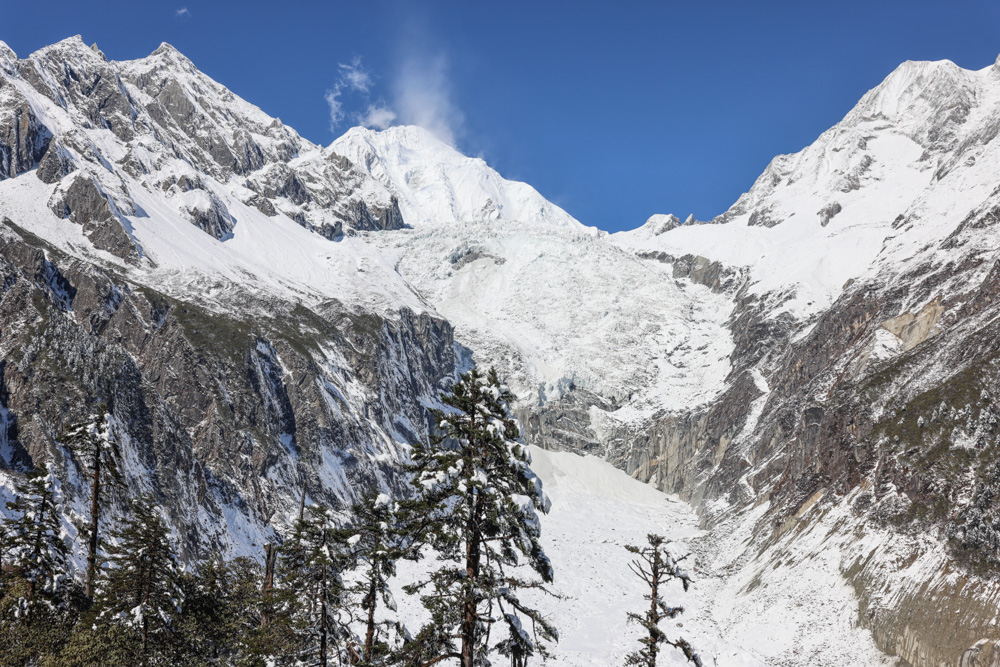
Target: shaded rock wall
(225, 417)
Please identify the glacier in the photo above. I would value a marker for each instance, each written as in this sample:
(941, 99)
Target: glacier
(808, 377)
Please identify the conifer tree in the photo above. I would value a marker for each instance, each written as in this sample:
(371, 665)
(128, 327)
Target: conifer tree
(245, 613)
(139, 591)
(37, 551)
(275, 636)
(206, 626)
(221, 616)
(39, 601)
(311, 564)
(475, 505)
(96, 444)
(375, 544)
(656, 566)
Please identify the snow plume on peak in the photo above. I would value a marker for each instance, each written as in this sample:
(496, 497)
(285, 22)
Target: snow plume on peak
(377, 116)
(423, 96)
(437, 184)
(420, 91)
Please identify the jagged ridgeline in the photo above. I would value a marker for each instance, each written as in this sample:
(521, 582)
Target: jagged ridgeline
(257, 314)
(226, 405)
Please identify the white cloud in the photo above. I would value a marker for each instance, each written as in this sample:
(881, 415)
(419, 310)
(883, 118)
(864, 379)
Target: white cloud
(423, 96)
(378, 116)
(336, 107)
(354, 76)
(183, 12)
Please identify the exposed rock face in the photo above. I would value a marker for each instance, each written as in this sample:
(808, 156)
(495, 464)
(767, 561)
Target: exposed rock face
(697, 269)
(226, 416)
(372, 219)
(564, 424)
(827, 212)
(23, 138)
(212, 217)
(169, 117)
(56, 163)
(84, 203)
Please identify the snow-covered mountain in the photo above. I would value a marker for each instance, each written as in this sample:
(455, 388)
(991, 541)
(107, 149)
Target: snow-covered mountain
(864, 327)
(813, 370)
(878, 191)
(438, 185)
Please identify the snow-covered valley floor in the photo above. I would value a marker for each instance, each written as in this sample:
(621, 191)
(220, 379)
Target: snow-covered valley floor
(796, 615)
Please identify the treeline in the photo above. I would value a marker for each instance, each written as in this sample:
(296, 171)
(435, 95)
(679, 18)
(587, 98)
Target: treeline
(322, 596)
(295, 608)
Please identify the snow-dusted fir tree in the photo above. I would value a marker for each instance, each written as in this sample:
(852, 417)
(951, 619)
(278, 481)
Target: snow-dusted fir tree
(657, 567)
(36, 552)
(475, 505)
(138, 592)
(376, 542)
(38, 599)
(310, 567)
(96, 446)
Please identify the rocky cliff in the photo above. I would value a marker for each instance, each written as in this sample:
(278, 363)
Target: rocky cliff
(262, 317)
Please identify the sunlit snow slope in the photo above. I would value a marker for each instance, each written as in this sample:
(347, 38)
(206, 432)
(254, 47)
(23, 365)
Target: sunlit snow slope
(529, 289)
(597, 510)
(876, 193)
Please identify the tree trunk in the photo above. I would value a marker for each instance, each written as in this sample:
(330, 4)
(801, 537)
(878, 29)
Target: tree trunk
(372, 584)
(94, 512)
(37, 551)
(270, 555)
(322, 621)
(654, 612)
(145, 615)
(469, 613)
(302, 503)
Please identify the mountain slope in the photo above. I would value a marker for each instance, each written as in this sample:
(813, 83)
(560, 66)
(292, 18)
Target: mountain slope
(175, 259)
(894, 178)
(436, 184)
(263, 318)
(864, 361)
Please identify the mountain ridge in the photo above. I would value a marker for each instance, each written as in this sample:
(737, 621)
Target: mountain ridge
(263, 315)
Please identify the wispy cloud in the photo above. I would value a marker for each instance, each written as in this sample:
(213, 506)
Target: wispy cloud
(354, 76)
(351, 77)
(183, 13)
(420, 92)
(336, 107)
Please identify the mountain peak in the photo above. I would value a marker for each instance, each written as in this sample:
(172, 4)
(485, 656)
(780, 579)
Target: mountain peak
(166, 52)
(165, 48)
(7, 58)
(435, 183)
(916, 87)
(409, 136)
(74, 44)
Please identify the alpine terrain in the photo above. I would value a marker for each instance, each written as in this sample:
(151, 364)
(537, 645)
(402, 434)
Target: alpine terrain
(802, 392)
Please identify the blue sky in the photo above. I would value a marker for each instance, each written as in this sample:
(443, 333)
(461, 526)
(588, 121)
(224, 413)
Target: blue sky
(615, 111)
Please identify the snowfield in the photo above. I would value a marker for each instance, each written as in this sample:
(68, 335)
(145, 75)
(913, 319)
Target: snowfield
(797, 615)
(556, 305)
